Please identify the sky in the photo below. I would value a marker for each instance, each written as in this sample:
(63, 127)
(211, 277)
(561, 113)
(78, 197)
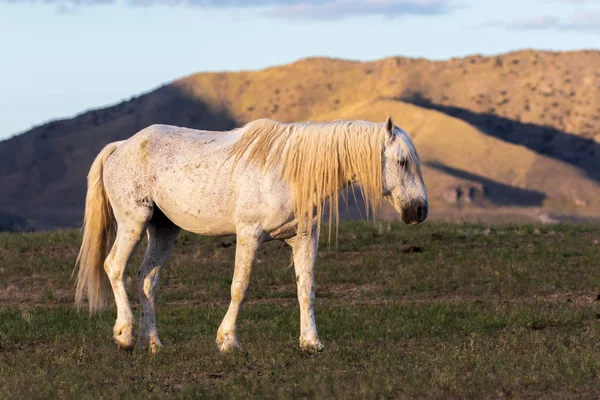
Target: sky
(59, 58)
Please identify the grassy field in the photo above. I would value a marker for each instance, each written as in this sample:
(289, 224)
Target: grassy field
(436, 310)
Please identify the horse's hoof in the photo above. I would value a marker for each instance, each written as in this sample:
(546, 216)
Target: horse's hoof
(125, 340)
(153, 344)
(311, 347)
(125, 349)
(155, 347)
(123, 334)
(227, 343)
(125, 345)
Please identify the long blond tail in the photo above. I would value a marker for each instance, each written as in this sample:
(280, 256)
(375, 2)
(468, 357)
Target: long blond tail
(98, 235)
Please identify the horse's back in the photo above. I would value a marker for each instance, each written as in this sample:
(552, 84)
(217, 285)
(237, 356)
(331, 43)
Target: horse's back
(162, 147)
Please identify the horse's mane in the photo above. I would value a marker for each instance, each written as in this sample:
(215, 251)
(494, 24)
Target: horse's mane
(317, 160)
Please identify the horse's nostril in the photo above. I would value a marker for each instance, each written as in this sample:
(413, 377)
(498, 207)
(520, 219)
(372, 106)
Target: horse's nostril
(420, 213)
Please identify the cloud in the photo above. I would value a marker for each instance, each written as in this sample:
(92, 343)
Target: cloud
(534, 23)
(579, 1)
(584, 20)
(341, 8)
(289, 9)
(581, 20)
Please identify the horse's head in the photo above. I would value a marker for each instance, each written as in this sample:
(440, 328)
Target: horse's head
(402, 180)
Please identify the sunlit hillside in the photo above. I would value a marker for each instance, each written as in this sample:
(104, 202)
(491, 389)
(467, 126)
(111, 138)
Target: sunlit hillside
(511, 135)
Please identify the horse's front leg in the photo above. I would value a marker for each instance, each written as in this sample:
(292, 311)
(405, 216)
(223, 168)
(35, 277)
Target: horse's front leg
(305, 254)
(248, 241)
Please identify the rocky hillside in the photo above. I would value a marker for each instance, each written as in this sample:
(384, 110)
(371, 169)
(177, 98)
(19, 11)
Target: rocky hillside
(515, 134)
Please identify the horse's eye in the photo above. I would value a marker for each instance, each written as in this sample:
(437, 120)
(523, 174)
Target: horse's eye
(402, 163)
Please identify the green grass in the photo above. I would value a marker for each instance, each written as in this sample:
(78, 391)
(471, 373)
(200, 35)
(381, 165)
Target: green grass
(475, 311)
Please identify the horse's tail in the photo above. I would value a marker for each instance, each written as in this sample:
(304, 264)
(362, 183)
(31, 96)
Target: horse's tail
(98, 234)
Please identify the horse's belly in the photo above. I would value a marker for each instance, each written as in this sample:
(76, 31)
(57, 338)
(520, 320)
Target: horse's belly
(202, 224)
(204, 215)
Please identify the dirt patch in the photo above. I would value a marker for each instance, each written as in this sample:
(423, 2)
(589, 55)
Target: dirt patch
(57, 251)
(18, 295)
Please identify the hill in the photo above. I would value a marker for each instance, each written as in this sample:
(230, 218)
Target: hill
(511, 135)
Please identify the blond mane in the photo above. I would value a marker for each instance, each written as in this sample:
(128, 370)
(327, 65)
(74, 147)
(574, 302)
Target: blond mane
(317, 161)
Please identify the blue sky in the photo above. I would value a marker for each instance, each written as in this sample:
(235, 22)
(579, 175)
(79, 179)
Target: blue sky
(61, 57)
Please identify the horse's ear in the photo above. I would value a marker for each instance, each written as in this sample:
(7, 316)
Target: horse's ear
(389, 125)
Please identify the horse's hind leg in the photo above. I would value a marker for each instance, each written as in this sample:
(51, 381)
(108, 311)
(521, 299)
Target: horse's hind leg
(129, 233)
(161, 237)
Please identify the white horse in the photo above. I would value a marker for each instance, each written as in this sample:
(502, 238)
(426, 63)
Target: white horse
(264, 181)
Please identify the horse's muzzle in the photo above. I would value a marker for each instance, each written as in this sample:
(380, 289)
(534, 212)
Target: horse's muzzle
(416, 213)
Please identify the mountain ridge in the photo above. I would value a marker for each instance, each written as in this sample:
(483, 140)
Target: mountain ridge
(540, 109)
